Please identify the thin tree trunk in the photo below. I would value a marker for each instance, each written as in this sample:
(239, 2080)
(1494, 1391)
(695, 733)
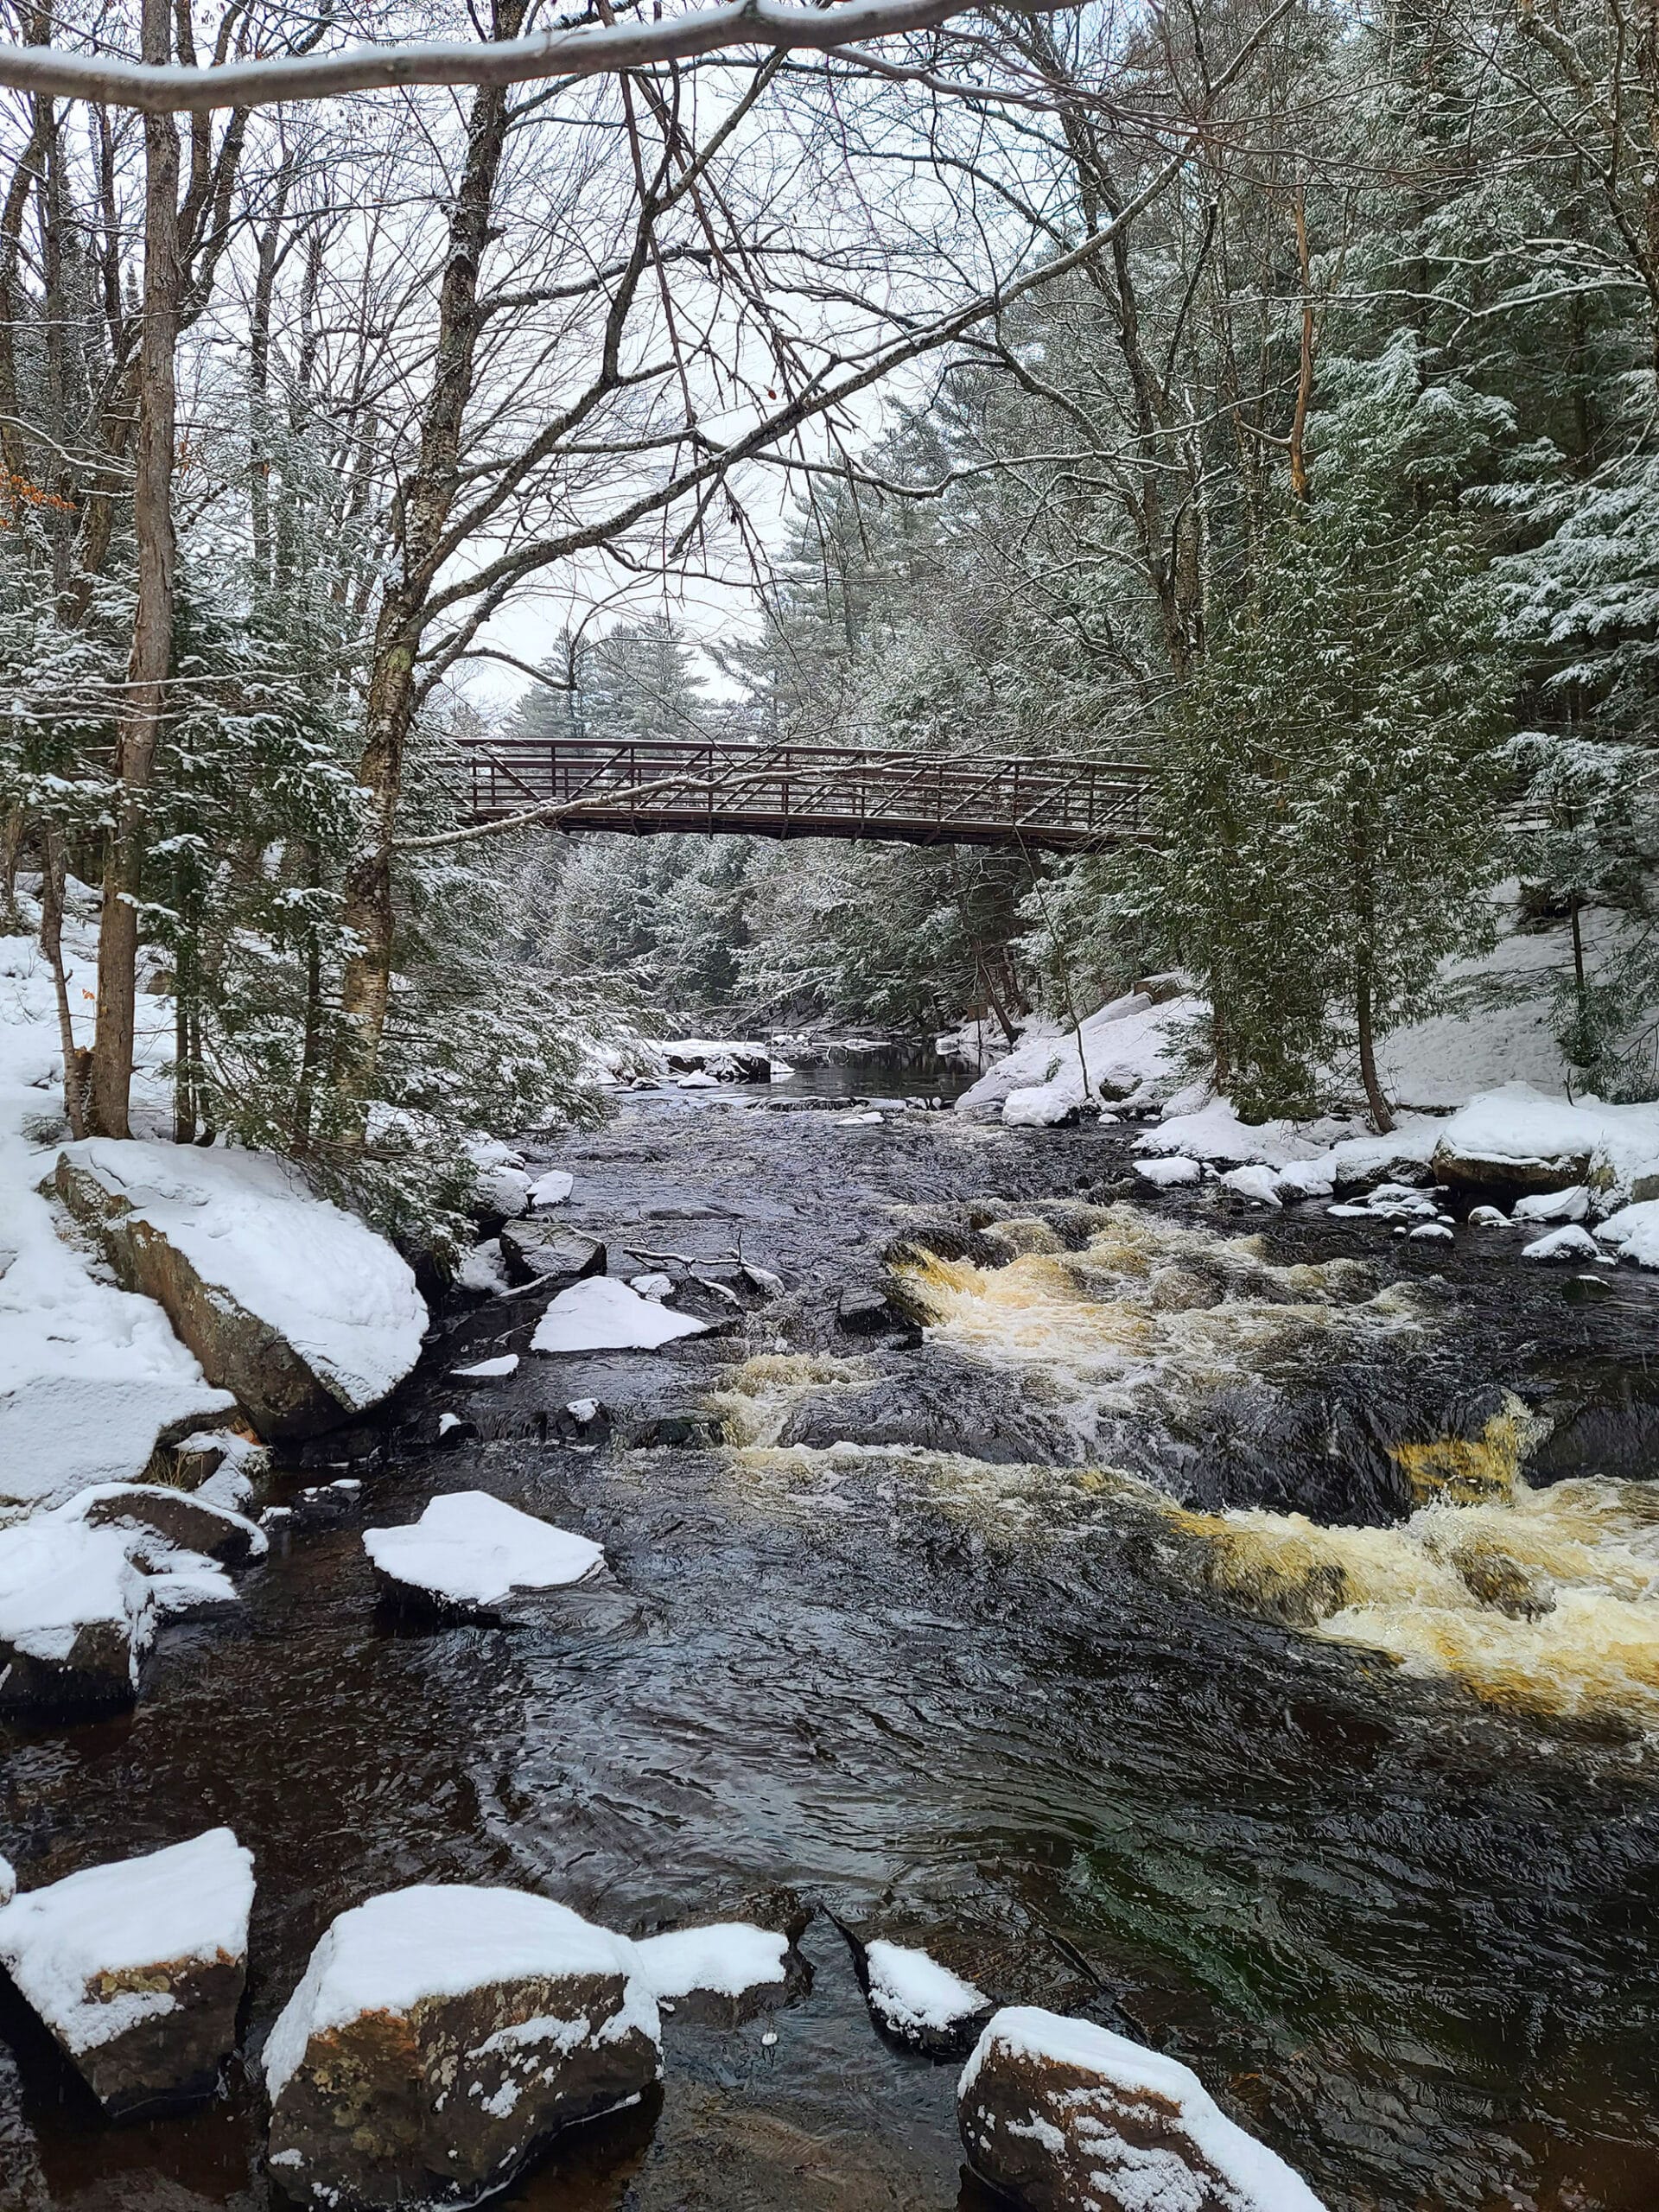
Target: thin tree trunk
(74, 1058)
(152, 634)
(1382, 1117)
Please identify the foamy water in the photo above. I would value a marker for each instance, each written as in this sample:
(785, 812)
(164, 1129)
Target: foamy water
(1538, 1599)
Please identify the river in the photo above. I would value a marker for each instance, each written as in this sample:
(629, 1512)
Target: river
(952, 1637)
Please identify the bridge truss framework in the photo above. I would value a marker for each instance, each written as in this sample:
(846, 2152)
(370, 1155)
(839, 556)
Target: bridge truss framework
(725, 787)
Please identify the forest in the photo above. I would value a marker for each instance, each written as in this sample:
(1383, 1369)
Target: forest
(1265, 394)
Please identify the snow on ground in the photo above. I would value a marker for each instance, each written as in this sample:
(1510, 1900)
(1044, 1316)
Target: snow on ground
(249, 1225)
(726, 1960)
(89, 1375)
(470, 1548)
(909, 1990)
(601, 1314)
(1262, 2180)
(1133, 1047)
(439, 1940)
(77, 1948)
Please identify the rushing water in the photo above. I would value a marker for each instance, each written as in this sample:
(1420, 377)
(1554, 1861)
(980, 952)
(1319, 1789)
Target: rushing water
(1244, 1635)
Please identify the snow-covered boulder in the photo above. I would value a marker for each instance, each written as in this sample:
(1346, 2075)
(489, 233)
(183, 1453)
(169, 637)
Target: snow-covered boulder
(542, 1251)
(601, 1314)
(1633, 1232)
(1569, 1244)
(1517, 1135)
(1260, 1185)
(1165, 1174)
(469, 1551)
(918, 2002)
(298, 1308)
(718, 1059)
(1571, 1204)
(488, 1370)
(1062, 2116)
(503, 1188)
(722, 1974)
(1214, 1132)
(1402, 1156)
(1040, 1106)
(440, 2036)
(77, 1615)
(553, 1188)
(84, 1587)
(137, 1967)
(163, 1522)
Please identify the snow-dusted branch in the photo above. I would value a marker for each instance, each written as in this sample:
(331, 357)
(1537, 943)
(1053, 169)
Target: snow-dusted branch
(585, 50)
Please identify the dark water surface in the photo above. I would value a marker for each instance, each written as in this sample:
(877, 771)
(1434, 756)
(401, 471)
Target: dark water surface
(1404, 1931)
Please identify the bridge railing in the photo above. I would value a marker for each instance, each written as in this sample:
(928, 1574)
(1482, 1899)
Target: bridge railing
(809, 791)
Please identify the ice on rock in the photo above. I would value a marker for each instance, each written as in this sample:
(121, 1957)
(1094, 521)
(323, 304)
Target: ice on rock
(472, 2022)
(1062, 2116)
(601, 1315)
(488, 1370)
(1165, 1174)
(137, 1967)
(920, 2002)
(858, 1121)
(468, 1551)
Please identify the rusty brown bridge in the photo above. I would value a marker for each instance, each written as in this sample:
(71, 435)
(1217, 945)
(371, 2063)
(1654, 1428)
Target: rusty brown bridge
(728, 787)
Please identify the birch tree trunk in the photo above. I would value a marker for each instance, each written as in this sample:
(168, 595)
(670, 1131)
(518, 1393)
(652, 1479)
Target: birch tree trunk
(152, 634)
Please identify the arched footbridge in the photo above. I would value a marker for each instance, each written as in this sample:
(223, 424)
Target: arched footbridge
(727, 787)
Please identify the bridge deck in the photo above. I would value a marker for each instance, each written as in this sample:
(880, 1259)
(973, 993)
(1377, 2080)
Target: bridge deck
(725, 786)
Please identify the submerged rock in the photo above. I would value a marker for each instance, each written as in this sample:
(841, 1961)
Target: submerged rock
(469, 1551)
(297, 1308)
(440, 2036)
(1062, 2116)
(137, 1967)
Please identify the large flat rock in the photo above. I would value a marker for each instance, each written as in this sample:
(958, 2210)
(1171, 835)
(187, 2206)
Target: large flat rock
(137, 1967)
(296, 1308)
(470, 1552)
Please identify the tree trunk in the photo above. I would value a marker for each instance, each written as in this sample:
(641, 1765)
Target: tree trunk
(152, 632)
(74, 1059)
(1382, 1117)
(366, 986)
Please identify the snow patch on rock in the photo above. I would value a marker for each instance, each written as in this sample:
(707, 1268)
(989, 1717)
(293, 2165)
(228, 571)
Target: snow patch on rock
(468, 1548)
(601, 1315)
